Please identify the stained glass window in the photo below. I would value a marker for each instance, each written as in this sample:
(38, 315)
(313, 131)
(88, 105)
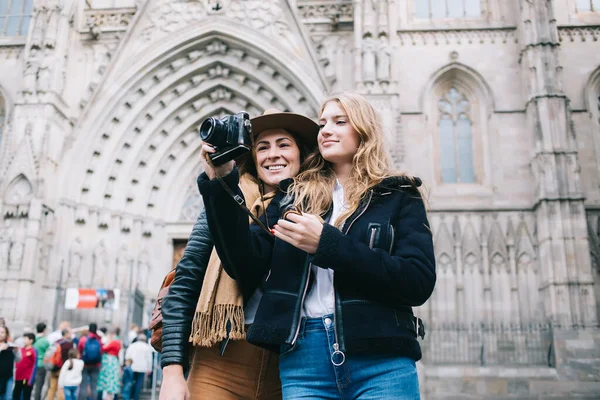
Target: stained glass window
(15, 16)
(456, 141)
(588, 5)
(437, 9)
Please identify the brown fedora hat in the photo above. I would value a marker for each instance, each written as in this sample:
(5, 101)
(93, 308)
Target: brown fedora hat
(303, 127)
(300, 126)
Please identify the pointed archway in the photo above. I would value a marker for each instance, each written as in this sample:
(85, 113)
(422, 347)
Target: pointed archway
(137, 144)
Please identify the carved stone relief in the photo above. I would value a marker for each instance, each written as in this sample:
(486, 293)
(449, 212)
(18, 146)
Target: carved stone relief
(18, 198)
(171, 15)
(475, 274)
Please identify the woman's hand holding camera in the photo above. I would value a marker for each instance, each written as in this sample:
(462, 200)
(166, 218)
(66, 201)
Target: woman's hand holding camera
(301, 231)
(221, 170)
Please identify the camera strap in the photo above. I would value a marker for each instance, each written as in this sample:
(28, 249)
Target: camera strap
(239, 200)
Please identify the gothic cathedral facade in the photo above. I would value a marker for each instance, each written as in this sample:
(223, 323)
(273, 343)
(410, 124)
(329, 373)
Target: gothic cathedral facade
(495, 104)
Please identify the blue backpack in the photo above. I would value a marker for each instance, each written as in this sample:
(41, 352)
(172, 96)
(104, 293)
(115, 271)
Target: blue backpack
(92, 351)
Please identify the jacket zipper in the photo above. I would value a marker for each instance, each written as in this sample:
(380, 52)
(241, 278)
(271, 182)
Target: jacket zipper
(299, 321)
(372, 239)
(392, 232)
(339, 347)
(307, 278)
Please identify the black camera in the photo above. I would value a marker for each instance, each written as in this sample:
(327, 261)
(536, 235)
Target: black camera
(229, 135)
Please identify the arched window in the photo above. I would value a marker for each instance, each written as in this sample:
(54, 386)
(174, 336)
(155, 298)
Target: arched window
(14, 17)
(456, 139)
(437, 9)
(588, 5)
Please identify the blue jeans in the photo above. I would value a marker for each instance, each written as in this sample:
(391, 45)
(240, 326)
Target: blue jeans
(71, 392)
(7, 395)
(307, 371)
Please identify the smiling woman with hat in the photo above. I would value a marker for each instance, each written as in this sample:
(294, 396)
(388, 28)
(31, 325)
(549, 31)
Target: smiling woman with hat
(224, 365)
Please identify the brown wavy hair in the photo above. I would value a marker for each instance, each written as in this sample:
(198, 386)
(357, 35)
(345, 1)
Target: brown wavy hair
(313, 188)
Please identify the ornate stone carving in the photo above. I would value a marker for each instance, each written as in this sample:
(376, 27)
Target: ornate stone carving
(147, 228)
(126, 224)
(321, 12)
(54, 10)
(458, 37)
(582, 34)
(39, 23)
(171, 15)
(98, 21)
(32, 67)
(18, 197)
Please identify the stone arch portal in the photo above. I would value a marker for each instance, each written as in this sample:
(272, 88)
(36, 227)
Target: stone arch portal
(138, 147)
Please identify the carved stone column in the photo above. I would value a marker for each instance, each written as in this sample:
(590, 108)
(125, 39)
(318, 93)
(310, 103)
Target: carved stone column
(566, 283)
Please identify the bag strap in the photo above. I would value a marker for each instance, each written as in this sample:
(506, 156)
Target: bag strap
(239, 200)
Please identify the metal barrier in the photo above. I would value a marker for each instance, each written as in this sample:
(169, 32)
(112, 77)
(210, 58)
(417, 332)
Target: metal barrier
(488, 344)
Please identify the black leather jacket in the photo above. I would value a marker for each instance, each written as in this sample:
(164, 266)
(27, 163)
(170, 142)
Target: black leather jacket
(180, 303)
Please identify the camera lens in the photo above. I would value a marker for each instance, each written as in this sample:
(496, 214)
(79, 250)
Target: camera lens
(213, 131)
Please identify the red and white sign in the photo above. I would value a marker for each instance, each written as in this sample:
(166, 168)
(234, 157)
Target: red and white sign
(92, 298)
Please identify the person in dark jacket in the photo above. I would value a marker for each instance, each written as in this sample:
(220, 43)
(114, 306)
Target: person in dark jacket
(9, 355)
(341, 277)
(206, 307)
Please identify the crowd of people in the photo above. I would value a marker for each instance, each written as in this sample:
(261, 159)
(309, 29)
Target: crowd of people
(74, 363)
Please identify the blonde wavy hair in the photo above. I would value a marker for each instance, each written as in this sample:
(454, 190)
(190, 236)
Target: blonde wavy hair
(313, 187)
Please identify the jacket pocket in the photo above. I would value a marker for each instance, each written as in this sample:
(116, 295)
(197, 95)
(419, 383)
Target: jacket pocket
(381, 236)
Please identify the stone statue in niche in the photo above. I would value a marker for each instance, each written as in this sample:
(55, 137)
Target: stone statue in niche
(4, 247)
(370, 15)
(52, 29)
(39, 23)
(369, 50)
(15, 257)
(101, 267)
(142, 275)
(6, 233)
(32, 66)
(383, 60)
(122, 272)
(75, 261)
(45, 72)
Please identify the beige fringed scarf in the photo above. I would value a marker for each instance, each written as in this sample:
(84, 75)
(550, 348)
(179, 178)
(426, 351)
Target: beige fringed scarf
(221, 300)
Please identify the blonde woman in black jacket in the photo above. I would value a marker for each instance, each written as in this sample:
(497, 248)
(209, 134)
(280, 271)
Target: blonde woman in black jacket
(338, 295)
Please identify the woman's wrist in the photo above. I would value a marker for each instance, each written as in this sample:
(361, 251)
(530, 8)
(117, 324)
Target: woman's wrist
(173, 369)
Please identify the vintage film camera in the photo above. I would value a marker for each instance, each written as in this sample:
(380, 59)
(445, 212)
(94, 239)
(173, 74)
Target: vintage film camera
(230, 135)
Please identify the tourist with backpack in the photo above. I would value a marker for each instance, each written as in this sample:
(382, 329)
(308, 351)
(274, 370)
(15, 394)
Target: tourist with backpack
(55, 357)
(90, 349)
